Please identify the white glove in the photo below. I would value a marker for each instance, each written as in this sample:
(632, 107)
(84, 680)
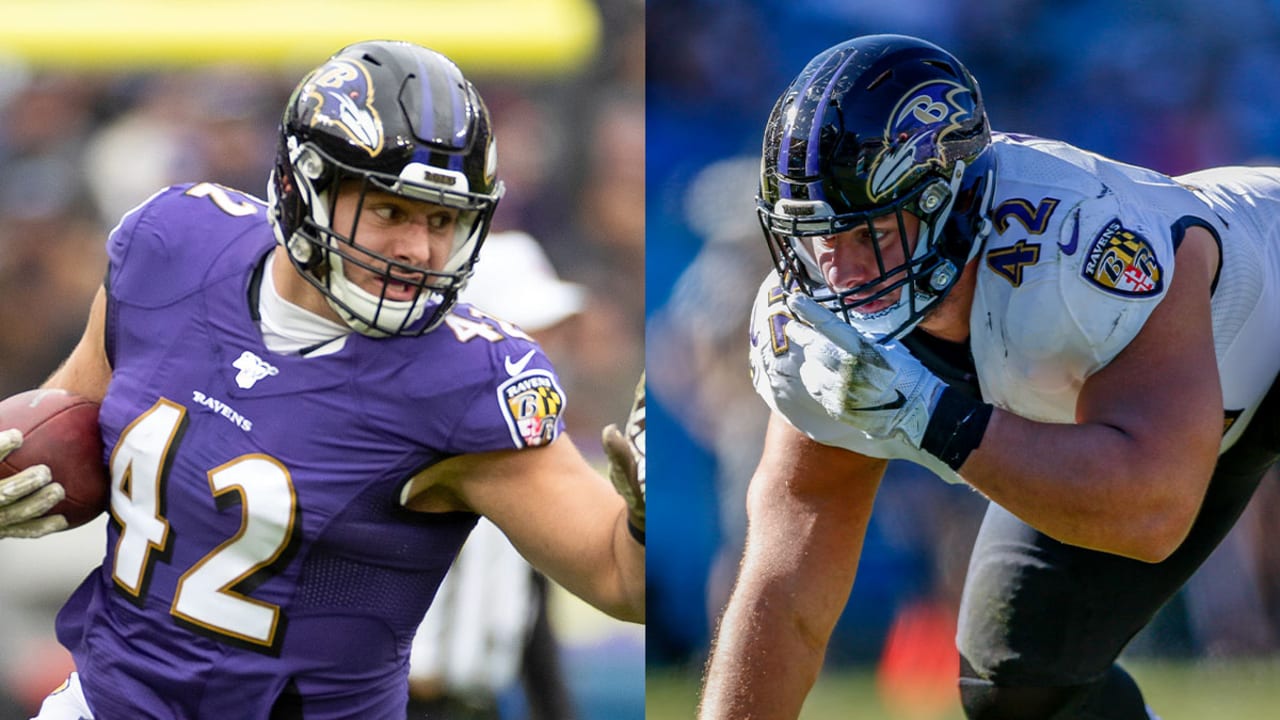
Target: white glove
(626, 452)
(879, 389)
(27, 495)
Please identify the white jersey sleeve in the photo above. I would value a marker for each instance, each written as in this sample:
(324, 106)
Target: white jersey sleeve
(1065, 283)
(775, 373)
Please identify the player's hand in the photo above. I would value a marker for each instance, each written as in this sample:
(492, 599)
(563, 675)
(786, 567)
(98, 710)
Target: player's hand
(626, 452)
(27, 495)
(879, 389)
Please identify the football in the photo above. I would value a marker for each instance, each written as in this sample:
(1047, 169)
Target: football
(60, 429)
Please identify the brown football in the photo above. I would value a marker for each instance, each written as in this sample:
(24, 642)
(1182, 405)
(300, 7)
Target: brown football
(60, 429)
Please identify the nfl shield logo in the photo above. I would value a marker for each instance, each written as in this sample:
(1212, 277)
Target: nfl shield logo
(252, 369)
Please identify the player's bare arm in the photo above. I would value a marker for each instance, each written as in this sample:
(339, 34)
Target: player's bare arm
(563, 516)
(86, 370)
(808, 508)
(1128, 478)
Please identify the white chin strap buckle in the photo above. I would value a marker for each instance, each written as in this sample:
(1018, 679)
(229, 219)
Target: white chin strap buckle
(300, 248)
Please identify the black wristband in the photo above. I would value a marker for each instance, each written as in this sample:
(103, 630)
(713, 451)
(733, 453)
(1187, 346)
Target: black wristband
(636, 532)
(956, 428)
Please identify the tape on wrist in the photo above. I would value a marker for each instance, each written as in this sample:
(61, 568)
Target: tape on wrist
(956, 427)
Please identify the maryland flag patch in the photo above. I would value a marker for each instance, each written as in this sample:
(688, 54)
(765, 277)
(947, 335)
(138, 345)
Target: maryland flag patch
(532, 403)
(1123, 262)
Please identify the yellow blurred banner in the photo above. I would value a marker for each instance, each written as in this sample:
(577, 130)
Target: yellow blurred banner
(520, 37)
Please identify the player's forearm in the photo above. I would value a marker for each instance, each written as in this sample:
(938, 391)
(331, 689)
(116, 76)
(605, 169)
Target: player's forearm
(1092, 484)
(629, 558)
(607, 571)
(762, 665)
(799, 567)
(808, 507)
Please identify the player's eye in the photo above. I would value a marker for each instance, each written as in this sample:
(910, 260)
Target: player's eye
(868, 236)
(388, 212)
(440, 220)
(822, 243)
(879, 234)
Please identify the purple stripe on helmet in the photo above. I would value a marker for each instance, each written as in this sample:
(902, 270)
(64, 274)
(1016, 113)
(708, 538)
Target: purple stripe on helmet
(459, 126)
(443, 106)
(425, 76)
(429, 81)
(784, 147)
(425, 113)
(811, 158)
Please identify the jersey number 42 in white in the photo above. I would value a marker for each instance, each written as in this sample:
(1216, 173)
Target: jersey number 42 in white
(205, 595)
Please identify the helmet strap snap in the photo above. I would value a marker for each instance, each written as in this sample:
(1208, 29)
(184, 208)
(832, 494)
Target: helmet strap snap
(942, 276)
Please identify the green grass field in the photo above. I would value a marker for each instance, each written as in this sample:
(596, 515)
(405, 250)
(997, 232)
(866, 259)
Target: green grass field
(1185, 691)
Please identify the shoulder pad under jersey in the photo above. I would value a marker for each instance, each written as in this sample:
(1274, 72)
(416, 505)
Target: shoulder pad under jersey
(1062, 289)
(169, 246)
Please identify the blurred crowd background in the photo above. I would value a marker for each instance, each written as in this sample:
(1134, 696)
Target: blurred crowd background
(80, 146)
(1175, 85)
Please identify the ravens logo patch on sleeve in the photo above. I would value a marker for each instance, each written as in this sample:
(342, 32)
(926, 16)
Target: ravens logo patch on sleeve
(1122, 262)
(532, 402)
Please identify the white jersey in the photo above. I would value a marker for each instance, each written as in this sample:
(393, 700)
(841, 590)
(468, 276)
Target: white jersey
(1081, 253)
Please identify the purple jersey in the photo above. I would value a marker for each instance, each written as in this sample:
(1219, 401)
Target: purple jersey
(258, 559)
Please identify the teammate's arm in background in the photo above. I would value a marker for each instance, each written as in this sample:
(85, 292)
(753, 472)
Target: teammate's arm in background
(808, 508)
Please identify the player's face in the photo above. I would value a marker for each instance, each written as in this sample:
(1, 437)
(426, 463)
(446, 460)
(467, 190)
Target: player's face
(409, 231)
(865, 253)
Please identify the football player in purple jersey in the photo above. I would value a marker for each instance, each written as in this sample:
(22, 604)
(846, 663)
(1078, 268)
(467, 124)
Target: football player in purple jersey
(1093, 346)
(303, 423)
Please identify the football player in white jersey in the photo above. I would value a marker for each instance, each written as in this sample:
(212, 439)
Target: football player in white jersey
(1089, 344)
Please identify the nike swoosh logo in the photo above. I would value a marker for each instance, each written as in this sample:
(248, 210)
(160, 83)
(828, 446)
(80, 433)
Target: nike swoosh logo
(1070, 247)
(894, 404)
(517, 367)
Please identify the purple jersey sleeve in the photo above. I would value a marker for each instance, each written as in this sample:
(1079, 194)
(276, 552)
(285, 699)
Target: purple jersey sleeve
(161, 230)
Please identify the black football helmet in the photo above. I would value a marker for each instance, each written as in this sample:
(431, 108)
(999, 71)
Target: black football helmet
(397, 118)
(876, 125)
